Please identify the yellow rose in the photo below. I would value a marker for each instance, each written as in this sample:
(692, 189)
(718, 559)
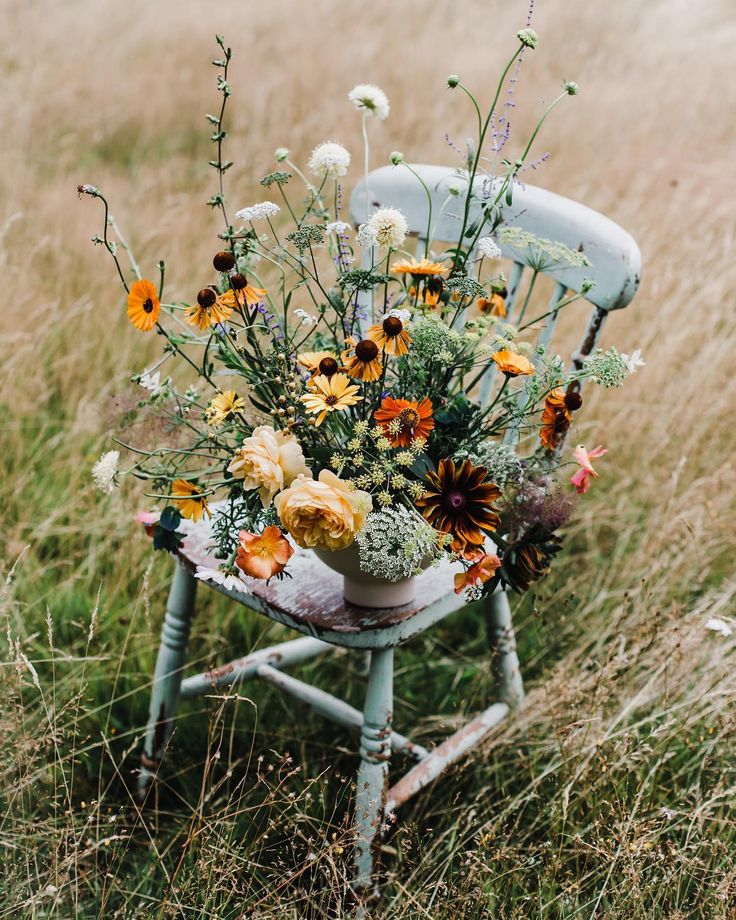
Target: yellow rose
(325, 512)
(268, 461)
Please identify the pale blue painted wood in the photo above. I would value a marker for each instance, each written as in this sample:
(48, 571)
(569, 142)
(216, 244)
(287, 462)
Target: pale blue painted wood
(615, 257)
(168, 674)
(372, 784)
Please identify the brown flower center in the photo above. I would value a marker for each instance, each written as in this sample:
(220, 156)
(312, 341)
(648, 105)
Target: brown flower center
(366, 350)
(148, 305)
(454, 501)
(223, 261)
(328, 366)
(573, 401)
(238, 282)
(206, 298)
(392, 325)
(409, 418)
(331, 400)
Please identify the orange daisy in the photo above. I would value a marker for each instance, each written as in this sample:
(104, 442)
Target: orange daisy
(362, 360)
(143, 305)
(423, 267)
(190, 500)
(263, 556)
(556, 418)
(511, 364)
(410, 420)
(211, 308)
(495, 305)
(390, 336)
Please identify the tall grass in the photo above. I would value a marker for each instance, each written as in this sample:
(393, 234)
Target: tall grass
(611, 795)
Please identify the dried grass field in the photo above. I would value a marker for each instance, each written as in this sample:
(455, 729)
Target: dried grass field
(612, 796)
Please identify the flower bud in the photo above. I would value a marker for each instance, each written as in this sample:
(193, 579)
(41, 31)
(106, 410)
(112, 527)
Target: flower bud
(570, 87)
(280, 154)
(453, 80)
(397, 157)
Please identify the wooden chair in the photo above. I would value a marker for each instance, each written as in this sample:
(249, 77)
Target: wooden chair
(312, 603)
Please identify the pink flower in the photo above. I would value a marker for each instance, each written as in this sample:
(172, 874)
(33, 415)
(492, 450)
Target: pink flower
(148, 519)
(581, 479)
(481, 571)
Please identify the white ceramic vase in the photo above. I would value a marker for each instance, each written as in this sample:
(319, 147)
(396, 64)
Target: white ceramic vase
(366, 590)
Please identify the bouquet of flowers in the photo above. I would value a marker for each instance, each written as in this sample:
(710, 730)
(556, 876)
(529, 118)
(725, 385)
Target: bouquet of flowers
(321, 388)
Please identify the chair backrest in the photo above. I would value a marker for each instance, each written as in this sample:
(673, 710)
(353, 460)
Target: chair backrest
(615, 260)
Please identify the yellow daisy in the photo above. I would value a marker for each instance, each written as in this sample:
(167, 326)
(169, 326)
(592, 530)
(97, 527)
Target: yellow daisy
(423, 267)
(330, 394)
(189, 499)
(224, 404)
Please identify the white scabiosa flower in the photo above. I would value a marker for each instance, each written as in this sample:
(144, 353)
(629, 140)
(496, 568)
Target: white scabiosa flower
(258, 211)
(488, 248)
(390, 227)
(220, 577)
(370, 99)
(329, 159)
(338, 226)
(105, 471)
(366, 236)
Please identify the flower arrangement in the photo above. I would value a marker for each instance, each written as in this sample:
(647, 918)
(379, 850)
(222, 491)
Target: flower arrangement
(312, 402)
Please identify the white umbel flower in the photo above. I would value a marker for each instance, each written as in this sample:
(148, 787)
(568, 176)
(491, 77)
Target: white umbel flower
(390, 226)
(105, 471)
(366, 236)
(329, 159)
(258, 211)
(338, 227)
(228, 582)
(488, 248)
(370, 99)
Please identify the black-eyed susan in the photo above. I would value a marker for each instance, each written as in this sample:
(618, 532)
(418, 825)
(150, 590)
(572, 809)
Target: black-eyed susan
(330, 394)
(403, 420)
(511, 364)
(224, 404)
(362, 360)
(143, 305)
(189, 499)
(390, 336)
(311, 359)
(246, 295)
(419, 269)
(210, 308)
(556, 419)
(459, 501)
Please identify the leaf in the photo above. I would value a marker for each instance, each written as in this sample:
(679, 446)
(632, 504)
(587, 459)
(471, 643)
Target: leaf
(170, 518)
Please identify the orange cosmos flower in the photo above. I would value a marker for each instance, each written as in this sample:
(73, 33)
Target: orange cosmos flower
(263, 556)
(495, 305)
(511, 364)
(211, 308)
(143, 305)
(414, 420)
(414, 268)
(363, 360)
(481, 571)
(189, 499)
(390, 336)
(556, 418)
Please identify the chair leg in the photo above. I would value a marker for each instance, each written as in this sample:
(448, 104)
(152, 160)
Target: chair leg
(504, 660)
(168, 675)
(372, 787)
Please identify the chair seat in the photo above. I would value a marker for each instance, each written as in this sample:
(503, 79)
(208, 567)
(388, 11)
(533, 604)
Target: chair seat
(312, 599)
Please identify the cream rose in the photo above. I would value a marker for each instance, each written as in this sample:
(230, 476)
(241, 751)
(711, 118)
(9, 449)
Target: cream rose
(268, 460)
(325, 512)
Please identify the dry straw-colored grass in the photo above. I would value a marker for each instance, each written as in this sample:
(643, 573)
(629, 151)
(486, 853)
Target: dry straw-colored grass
(611, 796)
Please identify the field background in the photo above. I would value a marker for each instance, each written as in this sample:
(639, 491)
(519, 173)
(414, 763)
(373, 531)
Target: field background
(612, 795)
